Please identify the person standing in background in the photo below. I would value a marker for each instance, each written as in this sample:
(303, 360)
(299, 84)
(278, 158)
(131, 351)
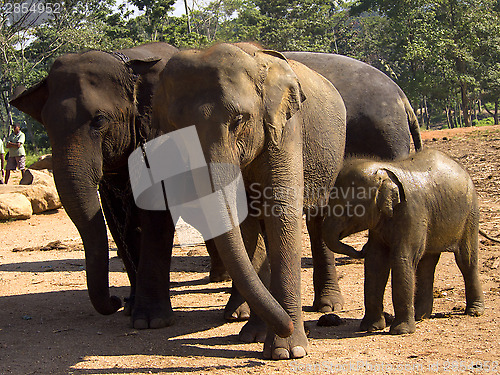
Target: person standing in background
(17, 154)
(2, 154)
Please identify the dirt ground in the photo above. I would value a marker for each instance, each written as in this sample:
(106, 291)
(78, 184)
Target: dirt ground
(48, 326)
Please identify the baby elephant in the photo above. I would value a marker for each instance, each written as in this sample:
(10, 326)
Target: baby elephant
(415, 209)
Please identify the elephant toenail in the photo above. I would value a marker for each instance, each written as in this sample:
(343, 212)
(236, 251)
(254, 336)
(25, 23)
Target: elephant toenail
(281, 353)
(298, 352)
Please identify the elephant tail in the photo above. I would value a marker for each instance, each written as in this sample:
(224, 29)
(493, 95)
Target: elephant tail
(486, 235)
(413, 124)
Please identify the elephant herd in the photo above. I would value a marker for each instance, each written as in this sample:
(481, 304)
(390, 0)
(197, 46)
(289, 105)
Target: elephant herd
(286, 120)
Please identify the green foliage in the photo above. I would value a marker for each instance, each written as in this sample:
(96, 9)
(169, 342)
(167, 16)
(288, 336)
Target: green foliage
(32, 155)
(483, 122)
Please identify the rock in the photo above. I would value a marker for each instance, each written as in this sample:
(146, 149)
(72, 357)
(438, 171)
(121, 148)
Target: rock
(40, 189)
(42, 198)
(15, 206)
(41, 177)
(43, 162)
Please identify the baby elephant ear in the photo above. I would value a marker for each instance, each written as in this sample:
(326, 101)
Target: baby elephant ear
(390, 192)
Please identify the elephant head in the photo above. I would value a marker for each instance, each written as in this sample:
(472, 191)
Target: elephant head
(364, 194)
(93, 106)
(241, 102)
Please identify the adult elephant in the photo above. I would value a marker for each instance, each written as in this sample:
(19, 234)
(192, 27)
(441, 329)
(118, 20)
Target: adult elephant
(95, 107)
(380, 123)
(258, 111)
(380, 119)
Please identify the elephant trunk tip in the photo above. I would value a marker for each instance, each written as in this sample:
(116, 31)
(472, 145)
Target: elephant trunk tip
(113, 305)
(284, 330)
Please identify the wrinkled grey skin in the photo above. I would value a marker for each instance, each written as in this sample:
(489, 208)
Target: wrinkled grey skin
(380, 119)
(258, 111)
(415, 209)
(380, 122)
(95, 107)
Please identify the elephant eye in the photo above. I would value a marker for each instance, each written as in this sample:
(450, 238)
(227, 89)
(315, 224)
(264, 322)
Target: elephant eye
(99, 121)
(236, 123)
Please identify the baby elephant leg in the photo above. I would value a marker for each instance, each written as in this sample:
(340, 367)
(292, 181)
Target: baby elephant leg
(467, 261)
(424, 289)
(376, 275)
(403, 289)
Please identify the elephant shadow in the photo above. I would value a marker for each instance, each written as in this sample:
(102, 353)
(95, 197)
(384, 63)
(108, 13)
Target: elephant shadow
(59, 332)
(348, 329)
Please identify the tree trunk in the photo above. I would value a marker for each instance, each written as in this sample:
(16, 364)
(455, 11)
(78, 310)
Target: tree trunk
(465, 104)
(473, 105)
(426, 114)
(495, 116)
(448, 117)
(421, 113)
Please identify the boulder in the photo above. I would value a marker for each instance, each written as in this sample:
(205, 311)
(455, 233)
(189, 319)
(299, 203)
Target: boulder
(39, 188)
(42, 197)
(15, 206)
(43, 162)
(38, 177)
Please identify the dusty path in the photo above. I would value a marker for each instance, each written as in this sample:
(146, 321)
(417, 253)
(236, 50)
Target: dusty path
(47, 324)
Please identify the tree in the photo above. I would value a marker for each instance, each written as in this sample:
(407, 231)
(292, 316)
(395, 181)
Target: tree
(33, 34)
(439, 43)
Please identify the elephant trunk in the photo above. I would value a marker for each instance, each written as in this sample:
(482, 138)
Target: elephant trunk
(333, 240)
(77, 186)
(232, 249)
(233, 254)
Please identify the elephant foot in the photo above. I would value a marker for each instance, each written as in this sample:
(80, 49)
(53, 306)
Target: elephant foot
(422, 312)
(475, 309)
(327, 303)
(254, 330)
(128, 305)
(294, 346)
(370, 324)
(238, 313)
(153, 316)
(401, 328)
(217, 276)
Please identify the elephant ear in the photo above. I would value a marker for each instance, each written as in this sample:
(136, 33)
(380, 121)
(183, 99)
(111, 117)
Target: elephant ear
(142, 66)
(281, 93)
(32, 100)
(390, 193)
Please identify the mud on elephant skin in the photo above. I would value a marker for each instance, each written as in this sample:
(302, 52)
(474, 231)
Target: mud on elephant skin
(415, 209)
(258, 111)
(95, 107)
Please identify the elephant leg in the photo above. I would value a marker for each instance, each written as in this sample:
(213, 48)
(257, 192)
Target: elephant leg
(237, 309)
(254, 330)
(377, 271)
(403, 292)
(152, 307)
(218, 272)
(425, 285)
(467, 261)
(284, 250)
(124, 227)
(327, 295)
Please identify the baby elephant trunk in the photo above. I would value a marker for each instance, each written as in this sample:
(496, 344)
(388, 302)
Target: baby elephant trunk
(332, 240)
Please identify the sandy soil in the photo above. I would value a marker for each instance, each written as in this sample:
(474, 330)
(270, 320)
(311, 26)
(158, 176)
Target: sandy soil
(47, 324)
